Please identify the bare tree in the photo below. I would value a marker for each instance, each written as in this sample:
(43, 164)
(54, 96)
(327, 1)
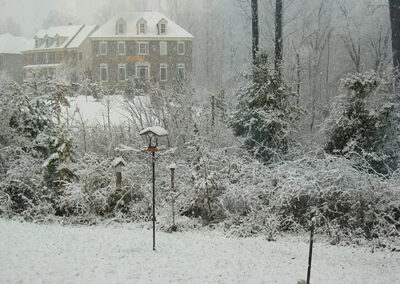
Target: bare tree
(278, 34)
(255, 34)
(394, 9)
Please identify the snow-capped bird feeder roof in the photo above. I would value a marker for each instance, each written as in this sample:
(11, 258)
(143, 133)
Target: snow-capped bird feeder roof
(154, 131)
(172, 166)
(118, 162)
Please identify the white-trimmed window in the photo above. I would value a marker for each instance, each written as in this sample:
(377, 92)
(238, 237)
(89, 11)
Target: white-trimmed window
(163, 48)
(180, 71)
(142, 71)
(142, 28)
(163, 28)
(163, 72)
(120, 26)
(121, 72)
(121, 47)
(181, 48)
(80, 56)
(103, 48)
(103, 72)
(143, 48)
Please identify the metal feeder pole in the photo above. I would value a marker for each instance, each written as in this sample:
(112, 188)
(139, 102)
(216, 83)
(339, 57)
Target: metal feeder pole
(154, 200)
(310, 250)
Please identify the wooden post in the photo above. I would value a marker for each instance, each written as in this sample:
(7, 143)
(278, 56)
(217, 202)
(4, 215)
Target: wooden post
(172, 167)
(172, 178)
(118, 177)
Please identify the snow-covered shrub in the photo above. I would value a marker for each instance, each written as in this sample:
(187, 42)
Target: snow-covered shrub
(358, 124)
(348, 201)
(93, 192)
(22, 186)
(89, 194)
(27, 121)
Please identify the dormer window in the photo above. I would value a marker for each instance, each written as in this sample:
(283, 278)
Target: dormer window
(162, 27)
(36, 42)
(141, 26)
(47, 42)
(120, 26)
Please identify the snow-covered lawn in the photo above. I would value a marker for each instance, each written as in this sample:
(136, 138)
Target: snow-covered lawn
(94, 112)
(32, 253)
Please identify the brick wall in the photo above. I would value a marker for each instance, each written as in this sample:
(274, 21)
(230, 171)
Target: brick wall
(132, 57)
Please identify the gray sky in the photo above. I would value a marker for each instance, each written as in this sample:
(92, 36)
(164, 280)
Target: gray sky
(30, 14)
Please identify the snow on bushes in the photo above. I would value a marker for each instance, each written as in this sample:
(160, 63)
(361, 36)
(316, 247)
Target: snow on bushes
(216, 184)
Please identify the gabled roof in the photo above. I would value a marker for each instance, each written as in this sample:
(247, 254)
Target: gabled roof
(154, 130)
(14, 45)
(67, 32)
(82, 35)
(73, 36)
(152, 18)
(64, 31)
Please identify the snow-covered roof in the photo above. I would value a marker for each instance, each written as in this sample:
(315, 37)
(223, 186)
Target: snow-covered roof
(157, 130)
(39, 66)
(81, 36)
(118, 161)
(68, 33)
(172, 166)
(152, 18)
(64, 31)
(14, 45)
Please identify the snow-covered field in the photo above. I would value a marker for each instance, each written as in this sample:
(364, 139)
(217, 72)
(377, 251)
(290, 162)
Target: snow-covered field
(94, 112)
(32, 253)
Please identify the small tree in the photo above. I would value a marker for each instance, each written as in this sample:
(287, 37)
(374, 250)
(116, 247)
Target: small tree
(357, 131)
(265, 112)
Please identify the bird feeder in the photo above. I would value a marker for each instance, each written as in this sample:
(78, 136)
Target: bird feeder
(153, 133)
(118, 163)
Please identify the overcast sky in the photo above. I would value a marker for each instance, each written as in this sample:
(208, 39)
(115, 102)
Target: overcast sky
(30, 14)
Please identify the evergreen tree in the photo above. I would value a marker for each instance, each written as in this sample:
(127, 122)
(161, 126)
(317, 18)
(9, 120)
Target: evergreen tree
(357, 130)
(265, 112)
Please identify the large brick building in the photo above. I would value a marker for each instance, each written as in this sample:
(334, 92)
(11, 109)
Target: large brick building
(144, 45)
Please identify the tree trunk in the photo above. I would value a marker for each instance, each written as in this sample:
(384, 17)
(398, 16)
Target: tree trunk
(255, 33)
(278, 34)
(394, 9)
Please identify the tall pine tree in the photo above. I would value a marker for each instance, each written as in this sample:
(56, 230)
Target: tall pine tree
(264, 112)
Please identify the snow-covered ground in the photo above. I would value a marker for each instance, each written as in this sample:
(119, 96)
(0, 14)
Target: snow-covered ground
(94, 112)
(32, 253)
